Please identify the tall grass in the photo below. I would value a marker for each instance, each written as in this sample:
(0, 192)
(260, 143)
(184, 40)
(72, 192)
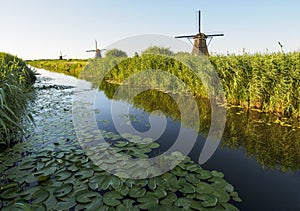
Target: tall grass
(15, 82)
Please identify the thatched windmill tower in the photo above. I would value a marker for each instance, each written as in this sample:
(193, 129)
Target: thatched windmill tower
(200, 46)
(97, 51)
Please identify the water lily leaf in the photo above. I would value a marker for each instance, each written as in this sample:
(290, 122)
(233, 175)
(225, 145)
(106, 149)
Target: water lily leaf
(23, 206)
(121, 144)
(141, 182)
(85, 196)
(205, 174)
(186, 187)
(197, 205)
(217, 174)
(84, 174)
(63, 175)
(46, 171)
(154, 171)
(27, 165)
(230, 207)
(221, 195)
(8, 186)
(42, 178)
(208, 200)
(136, 192)
(11, 193)
(235, 196)
(183, 202)
(40, 196)
(95, 204)
(152, 184)
(63, 190)
(111, 181)
(203, 187)
(65, 205)
(112, 198)
(169, 199)
(193, 178)
(153, 145)
(158, 193)
(139, 173)
(178, 171)
(147, 202)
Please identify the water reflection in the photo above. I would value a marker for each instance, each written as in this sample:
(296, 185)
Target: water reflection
(273, 145)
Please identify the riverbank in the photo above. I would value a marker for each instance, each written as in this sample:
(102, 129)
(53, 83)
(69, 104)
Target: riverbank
(16, 81)
(268, 82)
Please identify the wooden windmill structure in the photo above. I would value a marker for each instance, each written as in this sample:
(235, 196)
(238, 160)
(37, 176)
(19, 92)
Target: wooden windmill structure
(97, 51)
(200, 46)
(61, 57)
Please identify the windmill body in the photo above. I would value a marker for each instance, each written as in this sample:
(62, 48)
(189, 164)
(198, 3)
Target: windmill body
(97, 51)
(200, 45)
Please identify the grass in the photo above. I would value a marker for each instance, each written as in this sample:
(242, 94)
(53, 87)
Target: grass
(15, 82)
(71, 67)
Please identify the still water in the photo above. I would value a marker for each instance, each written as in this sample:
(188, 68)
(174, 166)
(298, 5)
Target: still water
(259, 153)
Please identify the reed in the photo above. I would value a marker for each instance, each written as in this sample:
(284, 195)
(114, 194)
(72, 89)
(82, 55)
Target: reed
(15, 83)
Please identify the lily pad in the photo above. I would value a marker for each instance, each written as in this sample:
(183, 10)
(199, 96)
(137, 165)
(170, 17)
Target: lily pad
(136, 192)
(63, 190)
(112, 198)
(148, 202)
(40, 196)
(85, 196)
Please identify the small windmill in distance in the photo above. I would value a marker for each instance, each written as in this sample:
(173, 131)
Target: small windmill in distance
(200, 45)
(61, 57)
(97, 51)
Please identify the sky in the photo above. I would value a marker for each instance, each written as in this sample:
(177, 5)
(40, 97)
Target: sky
(40, 29)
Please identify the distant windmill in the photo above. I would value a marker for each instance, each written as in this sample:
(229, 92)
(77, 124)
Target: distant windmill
(61, 57)
(97, 51)
(200, 45)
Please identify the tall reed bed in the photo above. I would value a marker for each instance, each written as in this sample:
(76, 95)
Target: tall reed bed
(270, 82)
(15, 82)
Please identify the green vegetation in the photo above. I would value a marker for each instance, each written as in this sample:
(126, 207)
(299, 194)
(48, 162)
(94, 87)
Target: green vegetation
(115, 53)
(269, 82)
(15, 83)
(71, 67)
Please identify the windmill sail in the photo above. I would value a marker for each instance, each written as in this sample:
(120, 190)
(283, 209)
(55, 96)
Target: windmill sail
(200, 46)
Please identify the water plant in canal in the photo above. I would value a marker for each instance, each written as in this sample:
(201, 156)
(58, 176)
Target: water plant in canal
(61, 177)
(15, 82)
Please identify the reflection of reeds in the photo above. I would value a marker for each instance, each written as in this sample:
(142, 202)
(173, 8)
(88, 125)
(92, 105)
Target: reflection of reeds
(15, 81)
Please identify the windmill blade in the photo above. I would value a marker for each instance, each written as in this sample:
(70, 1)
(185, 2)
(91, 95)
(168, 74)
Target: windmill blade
(90, 51)
(60, 53)
(214, 35)
(186, 36)
(96, 44)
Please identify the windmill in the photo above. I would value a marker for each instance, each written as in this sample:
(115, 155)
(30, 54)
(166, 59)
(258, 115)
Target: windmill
(200, 46)
(97, 51)
(61, 57)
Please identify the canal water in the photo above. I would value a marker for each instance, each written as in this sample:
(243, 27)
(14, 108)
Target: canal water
(259, 153)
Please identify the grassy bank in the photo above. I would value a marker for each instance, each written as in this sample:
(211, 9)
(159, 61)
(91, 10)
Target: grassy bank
(15, 82)
(71, 67)
(269, 82)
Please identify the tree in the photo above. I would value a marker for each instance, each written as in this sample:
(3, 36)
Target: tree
(115, 53)
(158, 50)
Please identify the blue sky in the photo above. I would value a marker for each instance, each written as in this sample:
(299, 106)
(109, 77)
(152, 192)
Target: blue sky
(35, 29)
